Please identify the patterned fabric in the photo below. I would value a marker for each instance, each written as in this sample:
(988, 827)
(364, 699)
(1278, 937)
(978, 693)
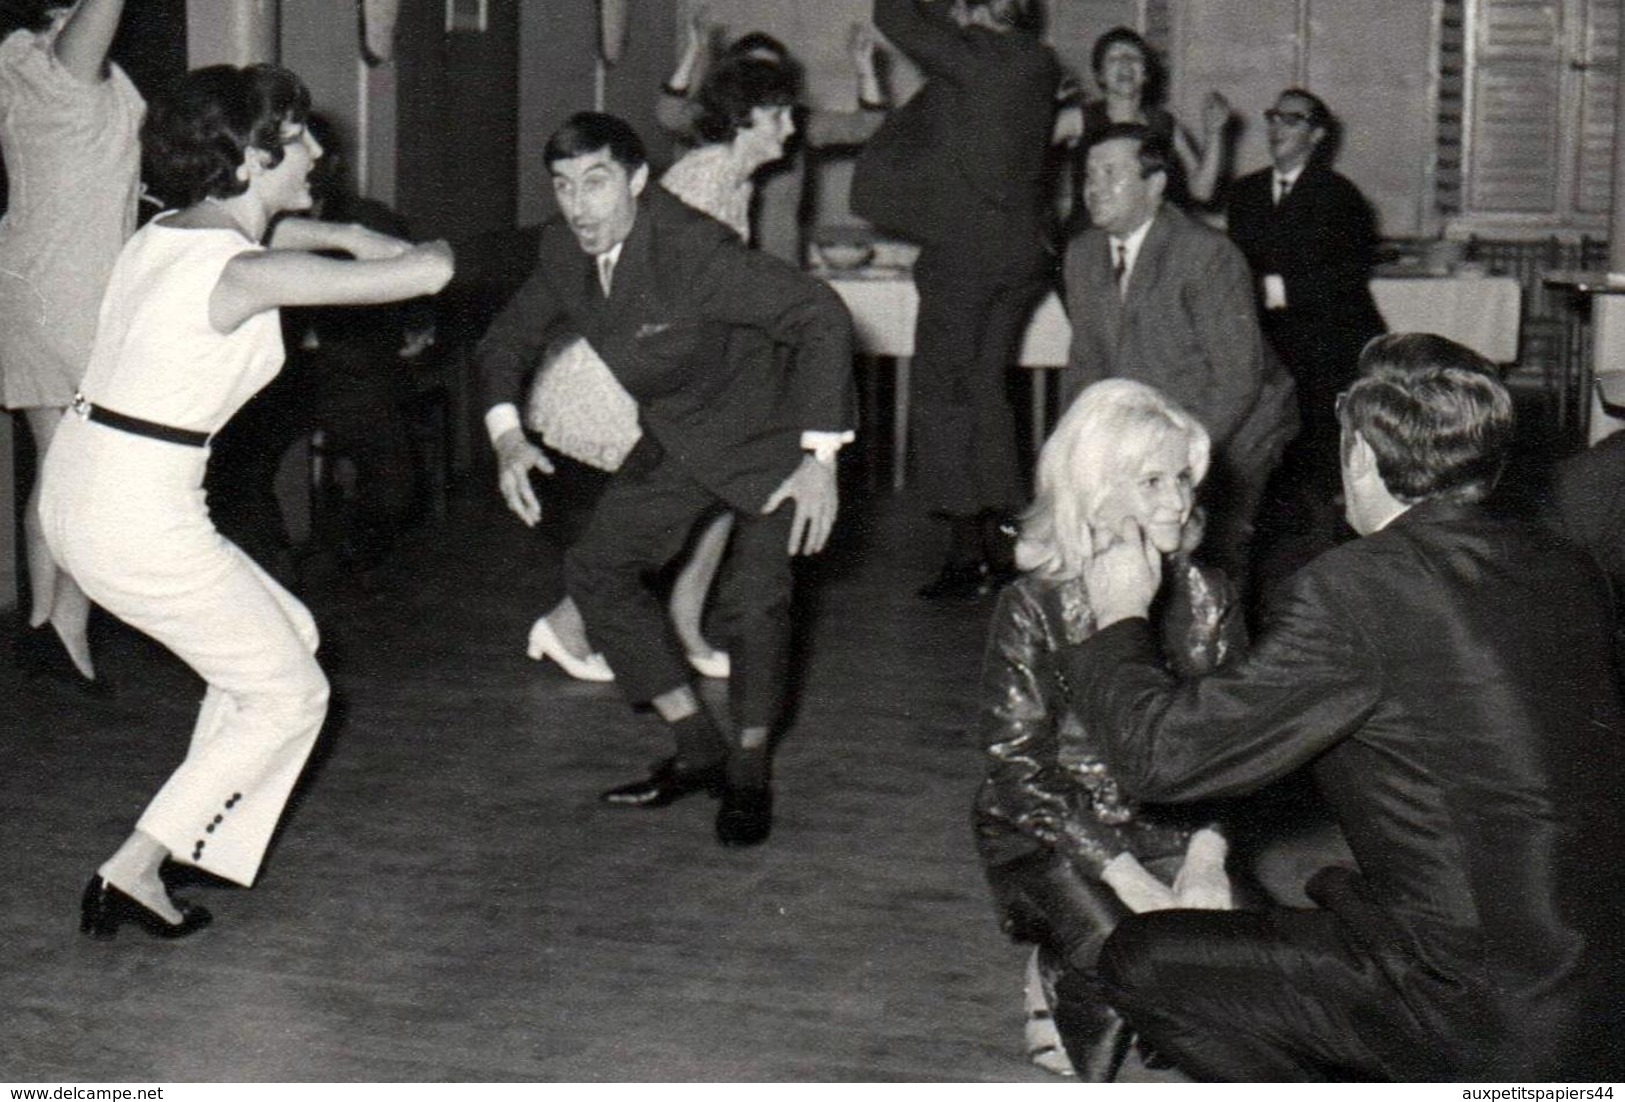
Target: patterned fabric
(72, 160)
(580, 410)
(708, 179)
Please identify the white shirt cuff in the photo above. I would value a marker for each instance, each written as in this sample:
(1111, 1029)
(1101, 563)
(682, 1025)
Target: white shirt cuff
(500, 418)
(824, 445)
(1274, 292)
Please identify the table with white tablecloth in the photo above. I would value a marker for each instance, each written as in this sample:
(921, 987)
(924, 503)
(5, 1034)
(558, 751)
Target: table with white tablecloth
(1481, 312)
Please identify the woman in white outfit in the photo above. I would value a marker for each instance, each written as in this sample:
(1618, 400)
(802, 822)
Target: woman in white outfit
(189, 331)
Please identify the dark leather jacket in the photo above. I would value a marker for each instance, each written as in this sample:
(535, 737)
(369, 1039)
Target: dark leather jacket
(1047, 783)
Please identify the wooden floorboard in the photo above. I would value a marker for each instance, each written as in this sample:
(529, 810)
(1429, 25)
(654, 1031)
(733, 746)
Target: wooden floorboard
(448, 901)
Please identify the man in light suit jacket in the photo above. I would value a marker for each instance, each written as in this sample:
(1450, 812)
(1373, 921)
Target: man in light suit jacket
(1309, 237)
(1447, 680)
(740, 365)
(1157, 297)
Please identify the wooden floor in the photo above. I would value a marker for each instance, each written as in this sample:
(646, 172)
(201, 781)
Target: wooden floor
(448, 901)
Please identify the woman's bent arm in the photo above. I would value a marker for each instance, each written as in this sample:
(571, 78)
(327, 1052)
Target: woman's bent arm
(258, 281)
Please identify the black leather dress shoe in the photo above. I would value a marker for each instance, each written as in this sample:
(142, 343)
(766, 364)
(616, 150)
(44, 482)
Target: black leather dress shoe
(666, 783)
(956, 583)
(745, 817)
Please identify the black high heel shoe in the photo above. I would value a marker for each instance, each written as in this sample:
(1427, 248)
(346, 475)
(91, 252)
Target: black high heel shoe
(106, 906)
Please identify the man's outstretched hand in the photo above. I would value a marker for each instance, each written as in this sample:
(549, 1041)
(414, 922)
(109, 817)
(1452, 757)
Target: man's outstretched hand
(812, 487)
(516, 458)
(1123, 575)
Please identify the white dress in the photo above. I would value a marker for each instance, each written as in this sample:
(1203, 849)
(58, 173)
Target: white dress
(125, 515)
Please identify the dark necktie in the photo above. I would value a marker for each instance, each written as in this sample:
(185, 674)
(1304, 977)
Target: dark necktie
(606, 271)
(1283, 187)
(1120, 265)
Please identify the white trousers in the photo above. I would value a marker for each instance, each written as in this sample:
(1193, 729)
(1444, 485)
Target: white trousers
(125, 515)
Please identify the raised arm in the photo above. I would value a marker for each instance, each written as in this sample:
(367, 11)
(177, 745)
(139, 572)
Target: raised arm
(1205, 161)
(258, 281)
(926, 32)
(836, 128)
(675, 111)
(82, 44)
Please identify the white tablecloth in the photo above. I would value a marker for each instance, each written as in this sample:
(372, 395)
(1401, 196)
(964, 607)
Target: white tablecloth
(1481, 313)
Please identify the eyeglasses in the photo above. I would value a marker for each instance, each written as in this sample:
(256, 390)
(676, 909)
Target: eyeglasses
(1285, 118)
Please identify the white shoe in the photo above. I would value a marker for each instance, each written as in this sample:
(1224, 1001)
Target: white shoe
(713, 663)
(545, 642)
(1043, 1040)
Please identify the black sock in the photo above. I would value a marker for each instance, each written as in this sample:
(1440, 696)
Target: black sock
(699, 743)
(747, 768)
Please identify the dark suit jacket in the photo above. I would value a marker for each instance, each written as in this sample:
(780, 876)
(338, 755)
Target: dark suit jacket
(729, 353)
(1447, 680)
(1186, 326)
(966, 155)
(1320, 240)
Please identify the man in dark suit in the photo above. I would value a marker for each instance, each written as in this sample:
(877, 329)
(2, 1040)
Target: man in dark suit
(1160, 298)
(1447, 680)
(959, 169)
(740, 365)
(1309, 237)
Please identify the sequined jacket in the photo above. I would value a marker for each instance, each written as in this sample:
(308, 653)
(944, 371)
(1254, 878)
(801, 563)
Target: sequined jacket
(1047, 783)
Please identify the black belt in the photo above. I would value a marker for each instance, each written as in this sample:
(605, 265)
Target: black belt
(138, 426)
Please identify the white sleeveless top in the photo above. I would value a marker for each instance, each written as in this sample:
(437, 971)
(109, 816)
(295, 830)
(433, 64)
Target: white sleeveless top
(156, 355)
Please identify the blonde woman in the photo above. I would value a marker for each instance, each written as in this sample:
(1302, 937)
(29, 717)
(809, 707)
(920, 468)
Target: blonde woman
(1066, 853)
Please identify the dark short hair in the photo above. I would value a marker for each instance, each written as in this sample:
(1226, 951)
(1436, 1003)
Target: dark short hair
(1097, 55)
(1434, 413)
(733, 88)
(591, 131)
(1021, 15)
(1156, 76)
(196, 135)
(1155, 155)
(1320, 116)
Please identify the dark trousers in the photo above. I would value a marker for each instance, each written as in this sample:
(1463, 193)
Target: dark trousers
(643, 520)
(974, 308)
(1256, 996)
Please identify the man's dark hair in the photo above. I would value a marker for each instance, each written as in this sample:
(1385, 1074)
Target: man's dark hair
(1020, 15)
(1155, 156)
(1320, 115)
(1435, 414)
(591, 131)
(733, 88)
(196, 135)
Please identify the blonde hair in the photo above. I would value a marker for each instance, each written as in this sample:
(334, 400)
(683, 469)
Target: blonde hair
(1101, 440)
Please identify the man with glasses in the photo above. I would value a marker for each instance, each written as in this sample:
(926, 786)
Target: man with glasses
(1309, 237)
(1447, 681)
(1158, 297)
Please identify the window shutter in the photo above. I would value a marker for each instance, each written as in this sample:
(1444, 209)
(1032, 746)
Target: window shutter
(1598, 63)
(1516, 126)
